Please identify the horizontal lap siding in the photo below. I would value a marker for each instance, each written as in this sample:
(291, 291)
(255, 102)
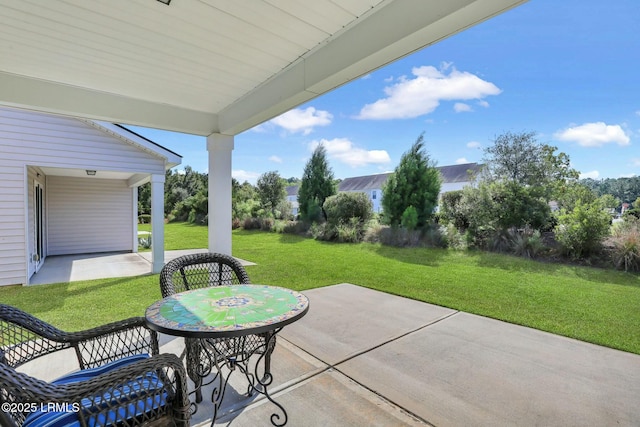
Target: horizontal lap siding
(34, 139)
(12, 226)
(88, 215)
(56, 141)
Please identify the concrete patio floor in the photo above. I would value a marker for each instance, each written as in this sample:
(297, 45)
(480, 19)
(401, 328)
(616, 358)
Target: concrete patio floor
(365, 358)
(72, 268)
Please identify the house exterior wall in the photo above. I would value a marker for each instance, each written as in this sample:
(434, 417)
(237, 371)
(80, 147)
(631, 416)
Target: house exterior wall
(12, 223)
(87, 215)
(29, 140)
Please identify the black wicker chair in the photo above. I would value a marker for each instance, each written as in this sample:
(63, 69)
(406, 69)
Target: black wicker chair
(122, 379)
(200, 271)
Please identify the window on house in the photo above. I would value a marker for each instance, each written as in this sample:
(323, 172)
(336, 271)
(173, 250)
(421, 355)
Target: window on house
(373, 194)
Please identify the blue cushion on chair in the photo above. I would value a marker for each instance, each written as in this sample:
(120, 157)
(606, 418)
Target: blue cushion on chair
(150, 381)
(85, 374)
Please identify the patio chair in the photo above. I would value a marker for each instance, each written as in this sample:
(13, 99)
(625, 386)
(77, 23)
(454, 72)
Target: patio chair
(122, 379)
(213, 269)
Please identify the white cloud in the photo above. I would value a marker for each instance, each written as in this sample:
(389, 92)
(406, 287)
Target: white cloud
(635, 161)
(638, 113)
(461, 107)
(413, 97)
(275, 159)
(343, 150)
(594, 135)
(242, 176)
(461, 161)
(592, 175)
(473, 144)
(299, 120)
(483, 103)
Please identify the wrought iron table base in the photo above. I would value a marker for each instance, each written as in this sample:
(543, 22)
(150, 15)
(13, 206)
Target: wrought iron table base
(241, 361)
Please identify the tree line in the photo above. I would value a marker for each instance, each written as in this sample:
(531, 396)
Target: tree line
(526, 200)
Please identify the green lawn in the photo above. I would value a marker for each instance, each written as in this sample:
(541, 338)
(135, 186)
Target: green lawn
(599, 306)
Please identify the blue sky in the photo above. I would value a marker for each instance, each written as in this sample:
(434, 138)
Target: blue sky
(568, 70)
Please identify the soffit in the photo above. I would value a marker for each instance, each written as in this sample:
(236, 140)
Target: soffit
(205, 66)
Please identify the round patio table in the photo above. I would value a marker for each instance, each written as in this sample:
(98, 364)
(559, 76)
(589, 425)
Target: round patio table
(226, 312)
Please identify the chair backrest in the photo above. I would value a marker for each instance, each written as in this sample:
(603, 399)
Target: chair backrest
(24, 337)
(200, 271)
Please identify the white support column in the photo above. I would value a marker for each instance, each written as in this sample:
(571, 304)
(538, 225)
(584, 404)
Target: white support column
(157, 222)
(134, 196)
(220, 148)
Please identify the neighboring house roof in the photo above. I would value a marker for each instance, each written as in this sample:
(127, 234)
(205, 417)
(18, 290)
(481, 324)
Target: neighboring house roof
(292, 190)
(459, 173)
(450, 174)
(363, 183)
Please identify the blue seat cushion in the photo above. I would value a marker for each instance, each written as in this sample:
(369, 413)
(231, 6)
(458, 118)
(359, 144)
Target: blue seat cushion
(131, 391)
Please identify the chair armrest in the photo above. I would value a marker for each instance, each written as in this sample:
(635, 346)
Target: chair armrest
(140, 384)
(106, 343)
(26, 337)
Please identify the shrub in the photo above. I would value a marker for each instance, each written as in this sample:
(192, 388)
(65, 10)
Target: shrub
(251, 224)
(435, 237)
(455, 239)
(342, 207)
(450, 212)
(580, 233)
(236, 223)
(144, 219)
(409, 218)
(528, 243)
(348, 232)
(625, 245)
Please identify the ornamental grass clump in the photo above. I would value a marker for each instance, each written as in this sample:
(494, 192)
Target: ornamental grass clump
(625, 245)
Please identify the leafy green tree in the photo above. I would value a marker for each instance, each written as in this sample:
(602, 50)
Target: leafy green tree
(520, 158)
(572, 193)
(415, 182)
(244, 200)
(271, 191)
(581, 231)
(316, 185)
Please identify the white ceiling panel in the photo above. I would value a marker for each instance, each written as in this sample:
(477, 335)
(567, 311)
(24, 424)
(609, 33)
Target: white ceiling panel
(206, 66)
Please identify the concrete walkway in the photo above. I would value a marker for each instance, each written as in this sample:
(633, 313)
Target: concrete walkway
(72, 268)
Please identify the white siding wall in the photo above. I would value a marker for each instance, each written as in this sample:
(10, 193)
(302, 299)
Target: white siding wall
(88, 215)
(34, 139)
(12, 223)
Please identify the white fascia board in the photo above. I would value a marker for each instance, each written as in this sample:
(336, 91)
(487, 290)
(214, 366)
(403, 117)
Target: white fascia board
(171, 159)
(386, 34)
(50, 97)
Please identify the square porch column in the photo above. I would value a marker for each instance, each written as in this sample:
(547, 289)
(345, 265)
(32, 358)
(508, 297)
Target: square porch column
(220, 148)
(157, 222)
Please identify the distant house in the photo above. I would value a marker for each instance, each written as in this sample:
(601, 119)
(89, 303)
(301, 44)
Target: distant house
(454, 177)
(292, 197)
(70, 186)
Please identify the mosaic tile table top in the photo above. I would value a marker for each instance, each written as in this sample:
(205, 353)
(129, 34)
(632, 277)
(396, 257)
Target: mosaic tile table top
(224, 311)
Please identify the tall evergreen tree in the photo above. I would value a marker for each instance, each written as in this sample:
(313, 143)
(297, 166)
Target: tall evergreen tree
(414, 183)
(316, 185)
(271, 190)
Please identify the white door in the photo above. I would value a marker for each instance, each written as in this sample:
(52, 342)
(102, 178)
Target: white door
(38, 225)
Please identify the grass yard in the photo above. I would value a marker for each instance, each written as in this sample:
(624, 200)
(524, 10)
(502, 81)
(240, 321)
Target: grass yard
(598, 306)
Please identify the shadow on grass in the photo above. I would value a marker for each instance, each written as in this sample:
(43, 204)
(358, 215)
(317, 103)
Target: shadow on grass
(51, 297)
(431, 257)
(541, 266)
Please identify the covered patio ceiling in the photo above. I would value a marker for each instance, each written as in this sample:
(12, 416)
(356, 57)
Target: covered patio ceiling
(208, 66)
